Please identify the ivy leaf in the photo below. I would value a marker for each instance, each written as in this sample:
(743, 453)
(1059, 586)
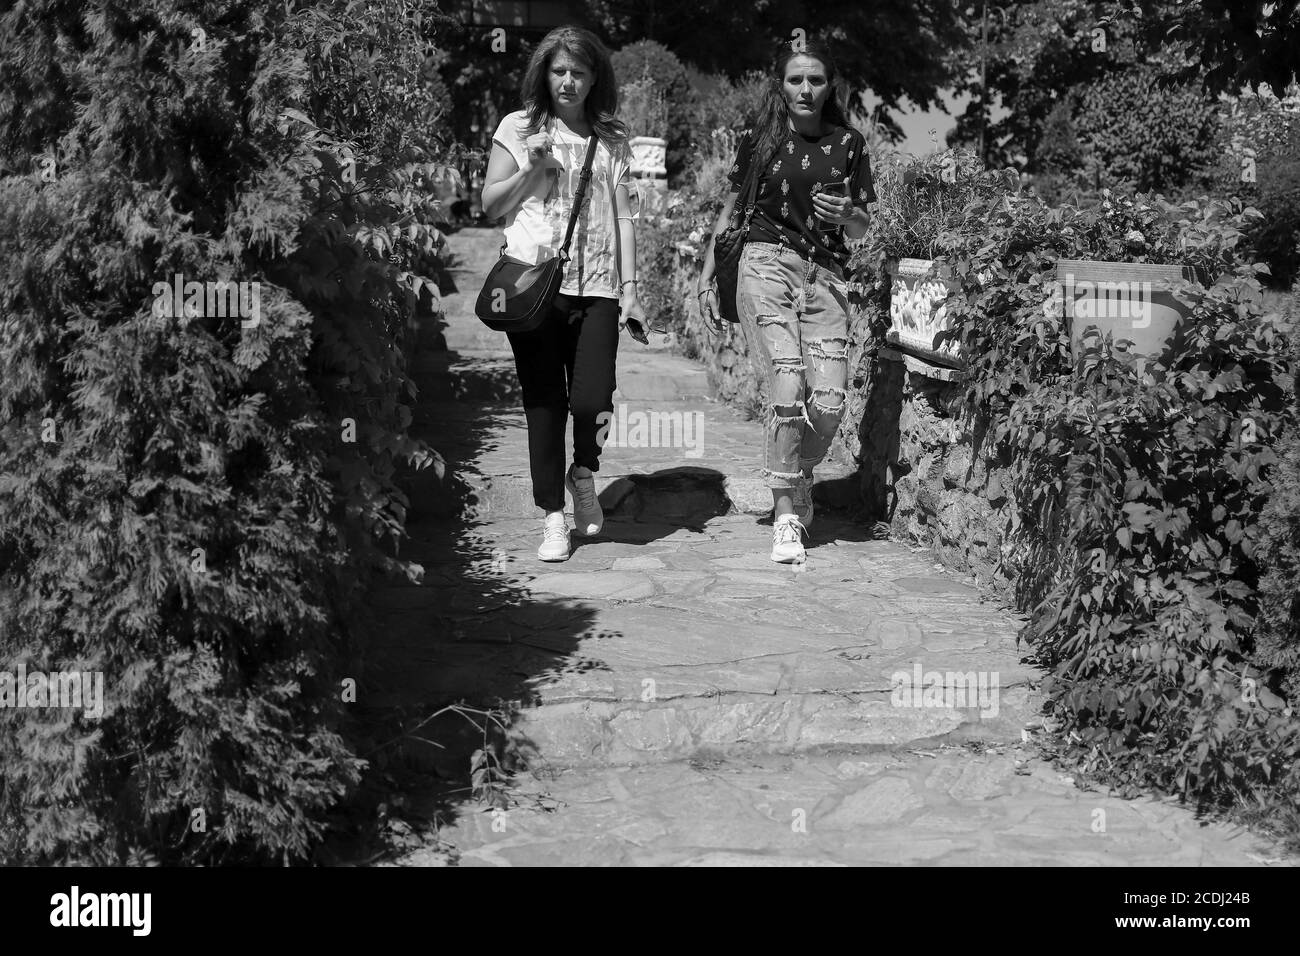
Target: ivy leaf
(1140, 516)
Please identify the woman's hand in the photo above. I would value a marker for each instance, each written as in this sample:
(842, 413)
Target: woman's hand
(537, 152)
(836, 209)
(631, 316)
(707, 297)
(537, 147)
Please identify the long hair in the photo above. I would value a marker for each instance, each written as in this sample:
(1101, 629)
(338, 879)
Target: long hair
(601, 105)
(771, 124)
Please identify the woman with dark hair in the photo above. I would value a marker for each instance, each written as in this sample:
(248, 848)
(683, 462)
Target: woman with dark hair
(566, 365)
(814, 184)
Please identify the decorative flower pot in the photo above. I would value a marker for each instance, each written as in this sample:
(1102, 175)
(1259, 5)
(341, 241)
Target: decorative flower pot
(917, 315)
(648, 156)
(1133, 302)
(649, 196)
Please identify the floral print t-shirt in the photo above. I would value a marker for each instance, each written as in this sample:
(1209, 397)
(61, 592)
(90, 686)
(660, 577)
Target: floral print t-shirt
(535, 231)
(784, 211)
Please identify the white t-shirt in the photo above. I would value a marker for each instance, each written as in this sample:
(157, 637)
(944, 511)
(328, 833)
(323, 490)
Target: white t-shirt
(535, 231)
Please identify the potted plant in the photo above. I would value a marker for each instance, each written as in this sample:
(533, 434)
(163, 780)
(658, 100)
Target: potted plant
(1143, 259)
(922, 206)
(643, 108)
(1132, 302)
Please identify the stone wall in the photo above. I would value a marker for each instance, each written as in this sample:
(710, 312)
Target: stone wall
(921, 467)
(736, 372)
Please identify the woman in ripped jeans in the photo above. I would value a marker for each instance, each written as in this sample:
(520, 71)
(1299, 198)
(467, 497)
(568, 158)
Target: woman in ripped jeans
(792, 297)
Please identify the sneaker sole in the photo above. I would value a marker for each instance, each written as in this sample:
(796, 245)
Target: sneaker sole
(583, 534)
(555, 560)
(573, 493)
(794, 559)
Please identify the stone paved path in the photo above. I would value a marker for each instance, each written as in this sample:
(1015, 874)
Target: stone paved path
(688, 702)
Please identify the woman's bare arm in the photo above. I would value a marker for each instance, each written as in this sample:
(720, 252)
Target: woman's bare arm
(506, 185)
(720, 223)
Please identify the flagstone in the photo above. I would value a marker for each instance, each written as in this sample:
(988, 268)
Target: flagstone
(686, 702)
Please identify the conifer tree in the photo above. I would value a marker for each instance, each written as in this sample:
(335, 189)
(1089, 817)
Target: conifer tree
(215, 226)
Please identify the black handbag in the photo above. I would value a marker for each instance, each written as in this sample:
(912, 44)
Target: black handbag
(730, 243)
(517, 296)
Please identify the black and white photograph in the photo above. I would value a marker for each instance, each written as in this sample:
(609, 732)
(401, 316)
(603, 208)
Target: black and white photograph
(650, 433)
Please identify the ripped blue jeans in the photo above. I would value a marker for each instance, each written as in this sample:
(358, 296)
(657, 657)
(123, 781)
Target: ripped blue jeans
(795, 314)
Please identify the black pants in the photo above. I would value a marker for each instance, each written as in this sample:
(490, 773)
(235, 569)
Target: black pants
(566, 365)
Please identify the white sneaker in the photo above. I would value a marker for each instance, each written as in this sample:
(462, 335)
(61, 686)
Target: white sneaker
(787, 540)
(803, 502)
(555, 538)
(587, 514)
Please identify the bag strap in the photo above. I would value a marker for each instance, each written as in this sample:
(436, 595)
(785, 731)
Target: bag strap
(583, 179)
(748, 197)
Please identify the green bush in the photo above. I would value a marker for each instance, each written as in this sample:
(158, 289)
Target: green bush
(1059, 154)
(641, 105)
(1137, 509)
(1278, 624)
(922, 203)
(648, 58)
(671, 247)
(1276, 239)
(192, 505)
(1136, 134)
(722, 103)
(1256, 158)
(1134, 527)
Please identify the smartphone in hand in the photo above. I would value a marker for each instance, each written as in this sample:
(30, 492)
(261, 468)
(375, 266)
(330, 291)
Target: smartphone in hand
(838, 189)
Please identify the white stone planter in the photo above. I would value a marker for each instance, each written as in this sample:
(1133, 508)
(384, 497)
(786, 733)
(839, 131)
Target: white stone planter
(1133, 302)
(649, 154)
(917, 314)
(650, 196)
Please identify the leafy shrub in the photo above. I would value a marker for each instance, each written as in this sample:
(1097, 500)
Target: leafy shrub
(1138, 502)
(481, 78)
(1137, 506)
(643, 108)
(670, 249)
(1278, 624)
(646, 58)
(1256, 161)
(1136, 134)
(183, 505)
(1059, 153)
(1134, 528)
(1276, 240)
(722, 103)
(921, 204)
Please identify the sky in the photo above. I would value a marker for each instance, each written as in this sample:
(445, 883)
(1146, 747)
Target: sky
(917, 123)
